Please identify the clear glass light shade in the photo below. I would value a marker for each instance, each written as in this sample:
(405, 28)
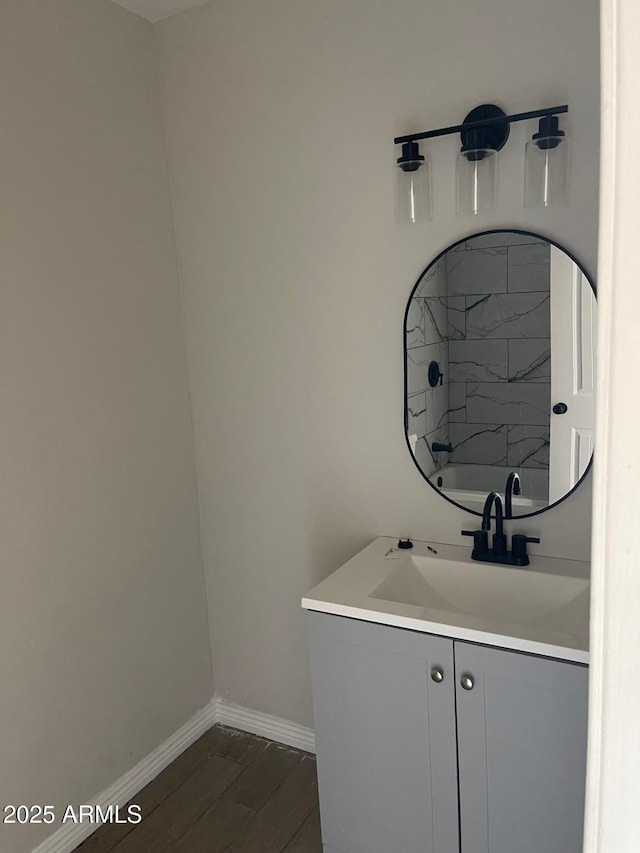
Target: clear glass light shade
(413, 191)
(476, 181)
(546, 172)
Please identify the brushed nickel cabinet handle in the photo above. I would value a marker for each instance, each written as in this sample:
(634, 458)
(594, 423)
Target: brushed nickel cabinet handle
(437, 675)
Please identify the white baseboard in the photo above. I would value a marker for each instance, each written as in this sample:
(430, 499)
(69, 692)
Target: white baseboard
(69, 836)
(274, 728)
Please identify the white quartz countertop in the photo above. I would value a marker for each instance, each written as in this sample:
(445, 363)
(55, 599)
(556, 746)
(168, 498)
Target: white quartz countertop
(542, 609)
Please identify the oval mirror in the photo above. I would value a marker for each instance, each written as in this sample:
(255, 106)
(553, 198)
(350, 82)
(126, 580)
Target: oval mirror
(500, 352)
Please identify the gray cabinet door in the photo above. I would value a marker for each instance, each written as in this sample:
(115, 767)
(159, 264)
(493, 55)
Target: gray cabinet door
(385, 738)
(522, 743)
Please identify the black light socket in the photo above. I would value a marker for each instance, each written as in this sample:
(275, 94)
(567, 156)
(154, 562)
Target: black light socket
(411, 158)
(549, 134)
(492, 136)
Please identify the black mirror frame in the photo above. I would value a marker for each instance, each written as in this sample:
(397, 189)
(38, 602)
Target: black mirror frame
(404, 349)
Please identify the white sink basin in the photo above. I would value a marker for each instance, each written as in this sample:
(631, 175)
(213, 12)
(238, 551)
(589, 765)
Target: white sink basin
(542, 609)
(490, 591)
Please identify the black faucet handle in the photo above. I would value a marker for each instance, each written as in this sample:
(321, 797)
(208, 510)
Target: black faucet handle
(519, 544)
(480, 540)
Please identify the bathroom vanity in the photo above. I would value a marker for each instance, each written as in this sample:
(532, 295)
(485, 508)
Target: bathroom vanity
(450, 702)
(450, 689)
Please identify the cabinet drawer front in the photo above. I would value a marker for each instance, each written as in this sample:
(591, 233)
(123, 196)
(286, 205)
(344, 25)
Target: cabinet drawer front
(522, 740)
(385, 737)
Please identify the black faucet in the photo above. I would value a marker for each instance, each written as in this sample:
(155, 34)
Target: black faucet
(512, 488)
(499, 552)
(499, 539)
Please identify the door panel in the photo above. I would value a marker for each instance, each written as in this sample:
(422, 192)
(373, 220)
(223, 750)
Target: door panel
(385, 735)
(573, 370)
(522, 739)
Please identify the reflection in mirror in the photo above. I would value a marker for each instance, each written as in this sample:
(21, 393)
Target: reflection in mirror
(500, 370)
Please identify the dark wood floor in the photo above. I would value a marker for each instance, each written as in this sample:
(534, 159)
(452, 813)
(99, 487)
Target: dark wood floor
(230, 792)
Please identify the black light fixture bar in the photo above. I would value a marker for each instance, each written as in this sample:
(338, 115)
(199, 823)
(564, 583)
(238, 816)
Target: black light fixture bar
(458, 128)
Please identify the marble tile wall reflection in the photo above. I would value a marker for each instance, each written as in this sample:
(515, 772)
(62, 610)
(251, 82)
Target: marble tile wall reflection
(415, 324)
(528, 446)
(474, 442)
(429, 461)
(432, 320)
(477, 271)
(479, 361)
(529, 360)
(483, 312)
(435, 318)
(417, 414)
(504, 359)
(500, 239)
(437, 408)
(418, 360)
(514, 403)
(508, 315)
(433, 282)
(457, 411)
(529, 268)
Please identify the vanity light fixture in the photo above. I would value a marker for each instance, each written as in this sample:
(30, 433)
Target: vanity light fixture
(484, 131)
(412, 185)
(546, 165)
(476, 166)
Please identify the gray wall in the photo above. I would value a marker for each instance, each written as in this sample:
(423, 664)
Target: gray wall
(280, 118)
(104, 647)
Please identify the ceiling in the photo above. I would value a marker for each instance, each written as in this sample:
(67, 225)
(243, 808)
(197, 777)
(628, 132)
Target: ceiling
(154, 10)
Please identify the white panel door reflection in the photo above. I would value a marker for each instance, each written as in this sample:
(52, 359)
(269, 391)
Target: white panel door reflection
(573, 366)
